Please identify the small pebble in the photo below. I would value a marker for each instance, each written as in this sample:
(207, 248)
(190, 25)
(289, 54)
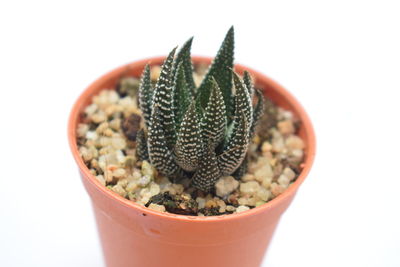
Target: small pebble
(230, 208)
(286, 127)
(119, 190)
(82, 130)
(249, 188)
(294, 142)
(241, 209)
(226, 185)
(266, 147)
(201, 202)
(277, 189)
(144, 180)
(157, 207)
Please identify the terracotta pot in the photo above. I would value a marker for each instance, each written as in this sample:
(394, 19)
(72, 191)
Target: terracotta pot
(132, 235)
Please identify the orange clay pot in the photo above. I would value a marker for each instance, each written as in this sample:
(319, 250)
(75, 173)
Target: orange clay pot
(132, 235)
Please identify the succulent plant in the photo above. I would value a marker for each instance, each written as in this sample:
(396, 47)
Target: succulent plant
(201, 133)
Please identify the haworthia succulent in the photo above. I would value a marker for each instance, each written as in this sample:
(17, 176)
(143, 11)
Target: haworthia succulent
(242, 99)
(208, 172)
(141, 145)
(146, 95)
(214, 121)
(160, 155)
(220, 69)
(258, 112)
(182, 96)
(183, 58)
(163, 97)
(249, 83)
(188, 147)
(236, 148)
(201, 133)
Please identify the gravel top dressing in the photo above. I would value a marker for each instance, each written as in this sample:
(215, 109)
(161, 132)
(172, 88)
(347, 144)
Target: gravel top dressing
(106, 140)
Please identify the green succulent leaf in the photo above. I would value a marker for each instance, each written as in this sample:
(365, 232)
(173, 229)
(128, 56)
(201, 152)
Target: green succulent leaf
(214, 122)
(188, 148)
(242, 99)
(249, 83)
(258, 112)
(208, 173)
(163, 98)
(160, 155)
(241, 171)
(236, 148)
(183, 58)
(146, 95)
(182, 96)
(141, 145)
(220, 69)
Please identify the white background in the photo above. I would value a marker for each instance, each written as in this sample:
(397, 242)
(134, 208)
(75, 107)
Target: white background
(341, 59)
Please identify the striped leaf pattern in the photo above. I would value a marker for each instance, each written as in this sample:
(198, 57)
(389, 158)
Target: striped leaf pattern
(236, 149)
(182, 96)
(183, 58)
(220, 69)
(188, 147)
(141, 145)
(163, 95)
(214, 121)
(146, 95)
(160, 156)
(208, 173)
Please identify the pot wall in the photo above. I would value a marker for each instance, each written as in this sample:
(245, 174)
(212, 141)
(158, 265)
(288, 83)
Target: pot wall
(136, 238)
(132, 235)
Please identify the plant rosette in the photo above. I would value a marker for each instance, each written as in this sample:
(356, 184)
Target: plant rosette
(135, 226)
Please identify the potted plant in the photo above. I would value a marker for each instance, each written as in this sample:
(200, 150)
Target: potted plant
(176, 169)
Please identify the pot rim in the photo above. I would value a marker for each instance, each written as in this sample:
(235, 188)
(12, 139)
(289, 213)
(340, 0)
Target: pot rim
(305, 120)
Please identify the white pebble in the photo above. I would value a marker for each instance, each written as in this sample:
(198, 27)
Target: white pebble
(264, 173)
(283, 180)
(249, 188)
(154, 189)
(226, 185)
(248, 177)
(201, 202)
(263, 194)
(178, 188)
(278, 144)
(91, 135)
(91, 109)
(147, 169)
(118, 143)
(247, 201)
(144, 180)
(277, 189)
(242, 208)
(119, 190)
(286, 127)
(82, 130)
(157, 207)
(101, 179)
(289, 173)
(132, 186)
(99, 117)
(266, 147)
(120, 156)
(230, 208)
(119, 173)
(294, 142)
(297, 153)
